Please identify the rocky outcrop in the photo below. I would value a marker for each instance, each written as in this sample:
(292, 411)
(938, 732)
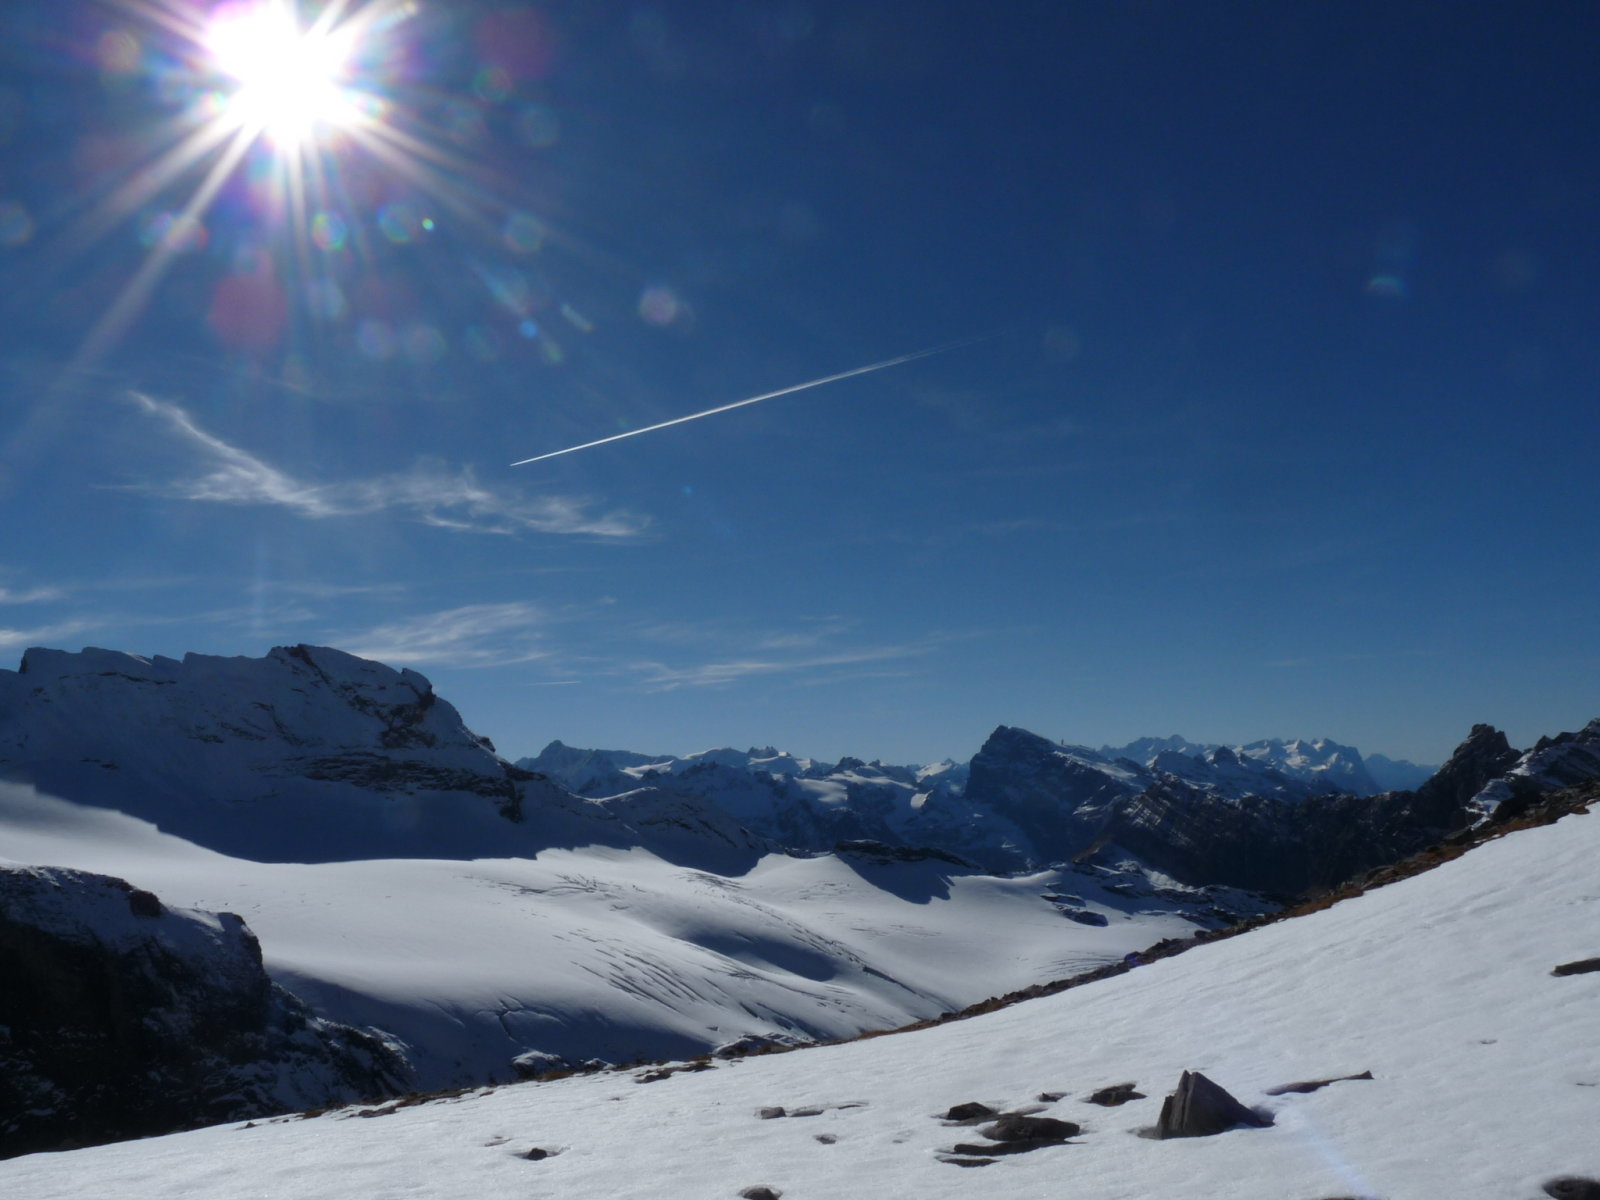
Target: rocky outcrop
(1060, 797)
(1565, 760)
(1200, 1108)
(121, 1017)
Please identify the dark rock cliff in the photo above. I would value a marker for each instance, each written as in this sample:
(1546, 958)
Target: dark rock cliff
(123, 1018)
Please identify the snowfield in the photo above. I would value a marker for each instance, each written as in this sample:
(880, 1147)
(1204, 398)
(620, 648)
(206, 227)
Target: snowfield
(611, 953)
(1486, 1078)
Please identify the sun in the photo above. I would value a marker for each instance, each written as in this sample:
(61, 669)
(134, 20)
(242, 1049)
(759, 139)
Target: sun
(290, 81)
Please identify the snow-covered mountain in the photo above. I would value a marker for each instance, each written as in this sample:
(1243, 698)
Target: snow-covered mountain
(1317, 760)
(805, 804)
(307, 754)
(1280, 816)
(311, 755)
(1429, 1038)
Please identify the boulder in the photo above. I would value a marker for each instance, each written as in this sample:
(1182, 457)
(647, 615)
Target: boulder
(970, 1113)
(1084, 917)
(1015, 1127)
(1200, 1108)
(1117, 1093)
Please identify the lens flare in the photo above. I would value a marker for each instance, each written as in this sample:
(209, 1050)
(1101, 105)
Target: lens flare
(332, 138)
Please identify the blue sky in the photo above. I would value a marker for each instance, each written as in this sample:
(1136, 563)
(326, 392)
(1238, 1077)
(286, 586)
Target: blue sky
(1281, 420)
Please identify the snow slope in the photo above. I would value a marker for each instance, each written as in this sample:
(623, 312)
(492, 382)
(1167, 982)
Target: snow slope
(1486, 1081)
(615, 953)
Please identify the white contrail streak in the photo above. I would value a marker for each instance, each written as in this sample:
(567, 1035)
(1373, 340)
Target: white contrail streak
(722, 408)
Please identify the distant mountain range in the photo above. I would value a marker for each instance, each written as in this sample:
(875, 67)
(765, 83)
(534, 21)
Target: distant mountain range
(1274, 816)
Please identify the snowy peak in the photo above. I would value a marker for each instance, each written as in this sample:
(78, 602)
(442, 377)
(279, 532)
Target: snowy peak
(606, 772)
(303, 697)
(1314, 760)
(803, 805)
(1145, 749)
(306, 754)
(1319, 760)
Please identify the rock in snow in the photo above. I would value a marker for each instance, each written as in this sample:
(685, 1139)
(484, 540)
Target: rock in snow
(1200, 1108)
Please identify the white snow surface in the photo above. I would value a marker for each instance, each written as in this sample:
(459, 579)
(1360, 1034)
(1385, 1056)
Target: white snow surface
(614, 953)
(1486, 1081)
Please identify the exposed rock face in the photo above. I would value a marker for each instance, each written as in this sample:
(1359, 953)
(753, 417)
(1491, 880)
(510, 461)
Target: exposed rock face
(1484, 756)
(123, 1018)
(1059, 797)
(1566, 760)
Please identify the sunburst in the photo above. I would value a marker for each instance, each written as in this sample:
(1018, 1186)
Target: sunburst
(290, 82)
(276, 90)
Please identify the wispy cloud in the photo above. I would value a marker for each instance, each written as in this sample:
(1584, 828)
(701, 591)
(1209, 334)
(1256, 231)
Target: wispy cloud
(41, 635)
(31, 596)
(661, 677)
(477, 635)
(447, 499)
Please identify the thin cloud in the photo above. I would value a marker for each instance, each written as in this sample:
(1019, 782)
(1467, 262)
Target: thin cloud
(476, 635)
(660, 677)
(435, 496)
(41, 635)
(31, 596)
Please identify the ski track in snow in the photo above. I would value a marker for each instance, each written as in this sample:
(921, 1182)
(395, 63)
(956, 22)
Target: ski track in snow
(1486, 1081)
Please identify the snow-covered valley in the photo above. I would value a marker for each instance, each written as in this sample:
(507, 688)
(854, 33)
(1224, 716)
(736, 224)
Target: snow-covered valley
(617, 954)
(1485, 1081)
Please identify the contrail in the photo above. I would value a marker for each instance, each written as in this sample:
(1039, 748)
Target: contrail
(722, 408)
